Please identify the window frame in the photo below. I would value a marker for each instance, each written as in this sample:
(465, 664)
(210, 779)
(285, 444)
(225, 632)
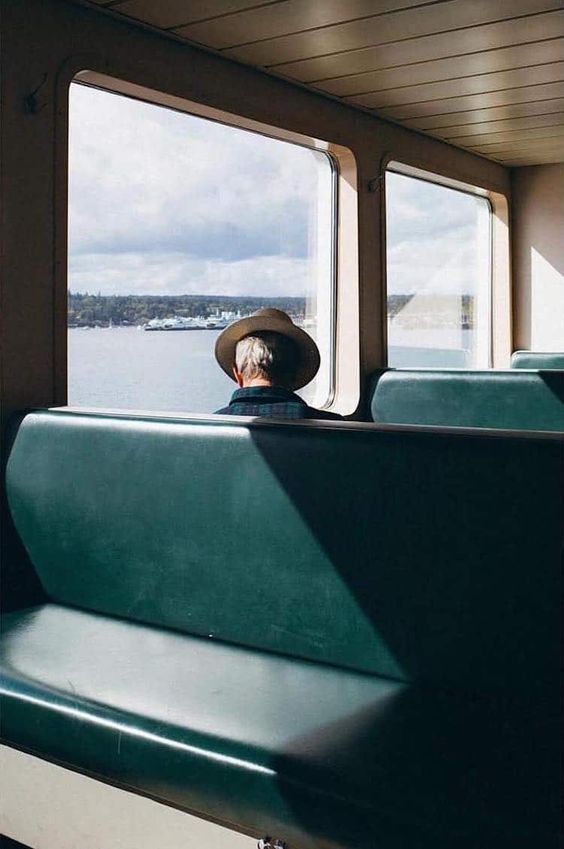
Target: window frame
(344, 365)
(495, 205)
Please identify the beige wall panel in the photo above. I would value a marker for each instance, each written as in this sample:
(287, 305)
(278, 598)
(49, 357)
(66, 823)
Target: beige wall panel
(539, 52)
(48, 807)
(508, 97)
(291, 16)
(27, 228)
(175, 13)
(471, 40)
(534, 117)
(501, 300)
(547, 130)
(481, 83)
(538, 257)
(68, 38)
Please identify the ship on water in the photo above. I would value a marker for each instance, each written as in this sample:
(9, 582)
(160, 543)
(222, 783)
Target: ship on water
(187, 323)
(213, 322)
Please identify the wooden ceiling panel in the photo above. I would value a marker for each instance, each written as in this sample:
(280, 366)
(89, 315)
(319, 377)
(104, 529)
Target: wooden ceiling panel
(486, 75)
(517, 161)
(460, 123)
(490, 129)
(468, 65)
(508, 97)
(430, 48)
(382, 29)
(554, 144)
(529, 133)
(290, 17)
(479, 84)
(167, 14)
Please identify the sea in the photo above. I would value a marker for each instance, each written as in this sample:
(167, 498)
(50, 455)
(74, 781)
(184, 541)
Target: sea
(130, 369)
(126, 368)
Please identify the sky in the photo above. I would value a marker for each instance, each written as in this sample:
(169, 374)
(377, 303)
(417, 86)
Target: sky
(437, 238)
(167, 203)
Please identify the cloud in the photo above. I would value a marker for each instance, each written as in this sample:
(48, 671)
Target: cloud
(435, 237)
(175, 273)
(164, 202)
(422, 210)
(422, 268)
(154, 186)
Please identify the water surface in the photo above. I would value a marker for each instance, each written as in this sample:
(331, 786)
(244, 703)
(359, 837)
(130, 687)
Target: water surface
(127, 368)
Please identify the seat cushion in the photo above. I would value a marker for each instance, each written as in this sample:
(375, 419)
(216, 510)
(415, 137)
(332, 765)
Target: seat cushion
(309, 540)
(538, 360)
(511, 400)
(319, 756)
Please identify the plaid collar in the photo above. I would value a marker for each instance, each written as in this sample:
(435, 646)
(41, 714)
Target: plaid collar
(265, 395)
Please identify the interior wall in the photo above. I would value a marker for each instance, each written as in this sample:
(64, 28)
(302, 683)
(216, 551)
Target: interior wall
(44, 43)
(538, 257)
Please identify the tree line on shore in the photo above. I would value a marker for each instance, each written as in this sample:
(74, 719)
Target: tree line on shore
(87, 310)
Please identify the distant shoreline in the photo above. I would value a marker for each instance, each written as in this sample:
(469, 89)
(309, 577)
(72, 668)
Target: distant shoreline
(89, 310)
(136, 327)
(86, 310)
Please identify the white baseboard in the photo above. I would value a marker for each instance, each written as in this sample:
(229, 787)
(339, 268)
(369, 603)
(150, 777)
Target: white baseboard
(45, 806)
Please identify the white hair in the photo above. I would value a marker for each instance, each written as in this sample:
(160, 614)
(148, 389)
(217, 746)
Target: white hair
(267, 355)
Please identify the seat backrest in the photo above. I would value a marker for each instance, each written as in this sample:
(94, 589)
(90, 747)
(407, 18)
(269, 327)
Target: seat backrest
(538, 359)
(414, 555)
(512, 400)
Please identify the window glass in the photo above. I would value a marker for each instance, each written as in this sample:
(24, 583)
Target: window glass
(438, 275)
(177, 226)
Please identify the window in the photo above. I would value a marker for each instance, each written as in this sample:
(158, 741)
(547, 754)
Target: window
(438, 275)
(178, 225)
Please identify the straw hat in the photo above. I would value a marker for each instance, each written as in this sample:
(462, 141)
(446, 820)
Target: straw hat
(275, 321)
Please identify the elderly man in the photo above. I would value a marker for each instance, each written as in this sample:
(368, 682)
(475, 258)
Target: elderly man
(269, 357)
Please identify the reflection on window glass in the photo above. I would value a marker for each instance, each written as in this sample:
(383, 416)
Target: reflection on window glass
(177, 226)
(438, 275)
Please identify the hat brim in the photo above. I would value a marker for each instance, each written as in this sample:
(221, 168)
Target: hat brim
(227, 342)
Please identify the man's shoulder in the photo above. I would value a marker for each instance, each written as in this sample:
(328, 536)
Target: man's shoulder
(273, 402)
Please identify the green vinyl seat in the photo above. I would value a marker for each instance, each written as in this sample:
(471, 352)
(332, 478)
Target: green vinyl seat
(306, 751)
(511, 400)
(538, 360)
(308, 649)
